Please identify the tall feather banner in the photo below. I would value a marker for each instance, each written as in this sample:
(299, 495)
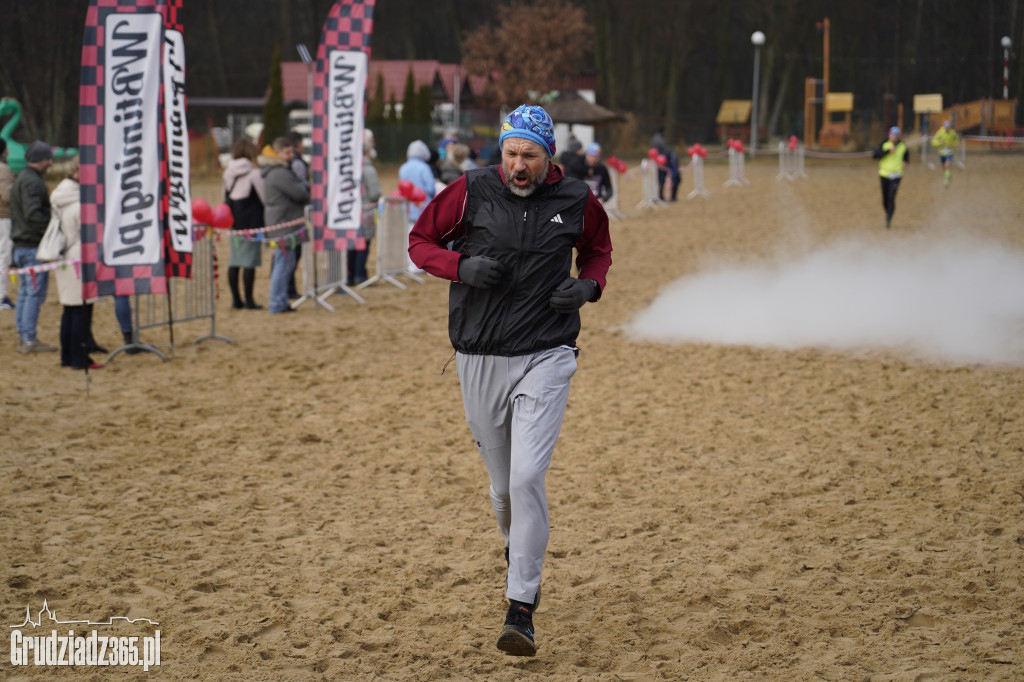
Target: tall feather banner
(174, 148)
(339, 88)
(123, 143)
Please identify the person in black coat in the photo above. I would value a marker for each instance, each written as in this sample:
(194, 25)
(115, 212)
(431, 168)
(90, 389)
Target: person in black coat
(572, 161)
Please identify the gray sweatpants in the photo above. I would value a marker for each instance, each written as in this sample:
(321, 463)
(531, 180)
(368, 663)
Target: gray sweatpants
(514, 407)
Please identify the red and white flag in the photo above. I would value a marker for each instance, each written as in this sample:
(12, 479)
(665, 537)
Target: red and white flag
(124, 147)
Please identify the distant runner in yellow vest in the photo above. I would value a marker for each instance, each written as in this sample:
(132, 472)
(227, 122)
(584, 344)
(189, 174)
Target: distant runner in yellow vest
(945, 140)
(893, 156)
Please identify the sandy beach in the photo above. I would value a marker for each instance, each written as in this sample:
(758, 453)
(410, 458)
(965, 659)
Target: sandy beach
(307, 503)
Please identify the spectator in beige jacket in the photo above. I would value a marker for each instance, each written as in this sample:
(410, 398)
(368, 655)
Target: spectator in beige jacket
(76, 320)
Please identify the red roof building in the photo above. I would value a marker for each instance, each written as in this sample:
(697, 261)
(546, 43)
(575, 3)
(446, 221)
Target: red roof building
(441, 78)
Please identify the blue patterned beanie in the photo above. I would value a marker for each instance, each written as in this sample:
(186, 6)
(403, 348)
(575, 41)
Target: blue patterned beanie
(532, 123)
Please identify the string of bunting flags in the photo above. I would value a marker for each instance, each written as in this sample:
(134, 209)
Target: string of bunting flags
(31, 270)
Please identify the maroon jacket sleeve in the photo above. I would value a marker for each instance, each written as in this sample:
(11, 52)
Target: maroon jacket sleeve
(440, 223)
(594, 248)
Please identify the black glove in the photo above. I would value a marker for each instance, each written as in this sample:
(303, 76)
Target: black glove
(480, 271)
(571, 294)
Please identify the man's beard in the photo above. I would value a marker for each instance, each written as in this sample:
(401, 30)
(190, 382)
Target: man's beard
(529, 189)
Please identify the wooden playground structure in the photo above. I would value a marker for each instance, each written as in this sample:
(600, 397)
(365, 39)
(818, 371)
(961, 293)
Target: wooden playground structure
(987, 116)
(991, 115)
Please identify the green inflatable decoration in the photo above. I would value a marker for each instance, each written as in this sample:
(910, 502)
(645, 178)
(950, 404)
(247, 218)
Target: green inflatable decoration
(15, 150)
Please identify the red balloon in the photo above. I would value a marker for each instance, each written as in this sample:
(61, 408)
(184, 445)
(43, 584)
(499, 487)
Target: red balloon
(222, 216)
(652, 153)
(792, 143)
(417, 195)
(201, 212)
(405, 187)
(662, 159)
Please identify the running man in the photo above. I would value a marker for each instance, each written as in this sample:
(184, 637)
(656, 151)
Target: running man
(504, 235)
(893, 156)
(945, 140)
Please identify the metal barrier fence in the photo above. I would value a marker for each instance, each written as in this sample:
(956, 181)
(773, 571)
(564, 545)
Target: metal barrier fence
(737, 172)
(332, 269)
(791, 162)
(321, 276)
(649, 175)
(611, 207)
(392, 243)
(186, 300)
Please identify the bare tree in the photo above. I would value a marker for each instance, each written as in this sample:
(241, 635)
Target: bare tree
(536, 46)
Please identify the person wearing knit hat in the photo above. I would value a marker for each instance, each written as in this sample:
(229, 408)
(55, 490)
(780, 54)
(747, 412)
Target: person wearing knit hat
(527, 141)
(504, 236)
(38, 151)
(30, 215)
(597, 176)
(418, 171)
(893, 157)
(571, 159)
(531, 123)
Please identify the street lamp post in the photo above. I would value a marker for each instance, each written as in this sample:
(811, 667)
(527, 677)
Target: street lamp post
(1006, 43)
(757, 39)
(308, 60)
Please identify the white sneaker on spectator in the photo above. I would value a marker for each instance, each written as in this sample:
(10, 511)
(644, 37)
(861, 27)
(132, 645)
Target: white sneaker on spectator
(36, 346)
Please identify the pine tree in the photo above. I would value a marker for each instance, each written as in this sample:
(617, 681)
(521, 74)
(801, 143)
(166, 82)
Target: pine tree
(409, 99)
(375, 106)
(424, 104)
(275, 118)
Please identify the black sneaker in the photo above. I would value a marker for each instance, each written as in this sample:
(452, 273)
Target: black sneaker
(516, 638)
